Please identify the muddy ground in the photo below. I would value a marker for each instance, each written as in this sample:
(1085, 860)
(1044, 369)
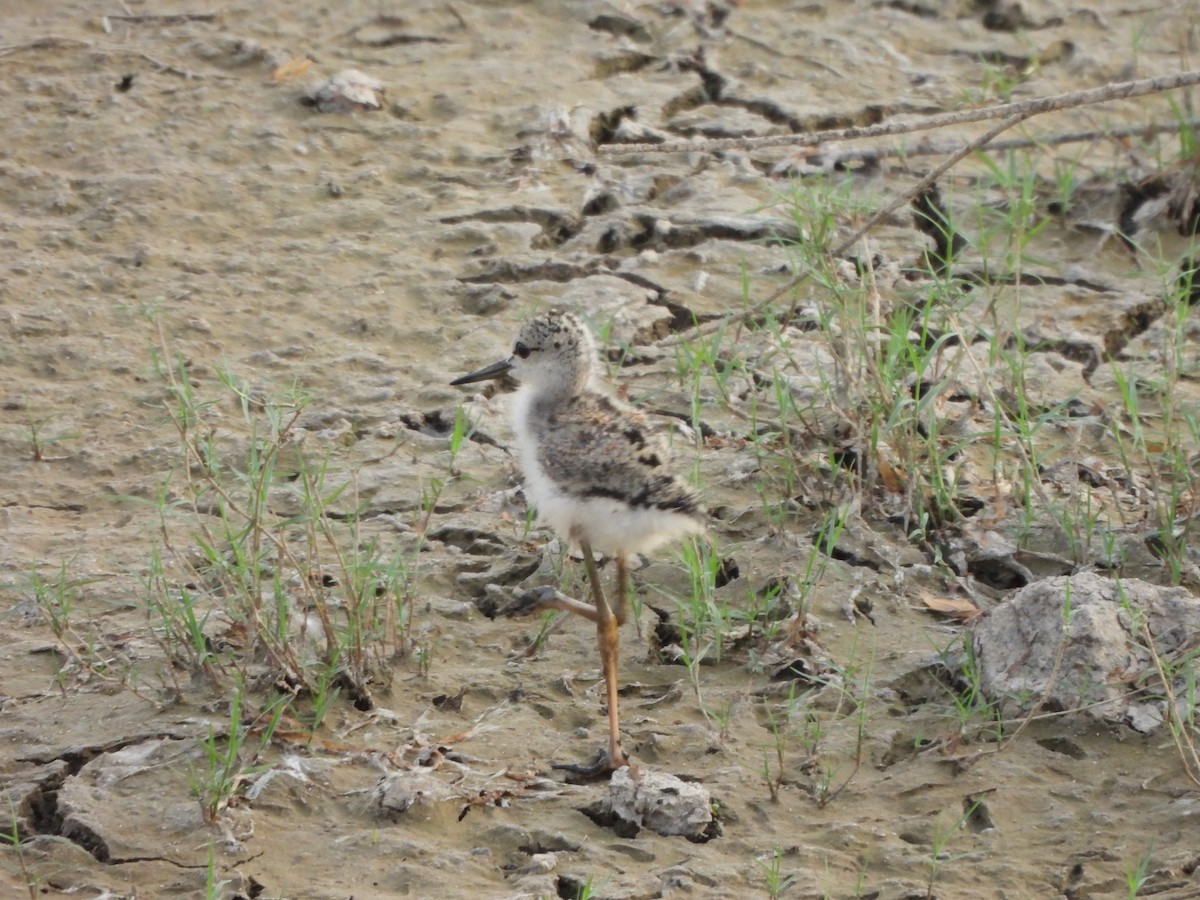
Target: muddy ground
(171, 209)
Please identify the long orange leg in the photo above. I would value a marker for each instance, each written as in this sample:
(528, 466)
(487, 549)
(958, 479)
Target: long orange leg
(608, 637)
(608, 619)
(622, 607)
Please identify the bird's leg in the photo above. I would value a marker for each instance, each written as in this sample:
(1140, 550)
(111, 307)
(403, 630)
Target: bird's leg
(541, 598)
(608, 622)
(608, 636)
(622, 608)
(608, 619)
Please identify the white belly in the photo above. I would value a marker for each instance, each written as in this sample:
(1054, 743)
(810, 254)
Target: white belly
(607, 524)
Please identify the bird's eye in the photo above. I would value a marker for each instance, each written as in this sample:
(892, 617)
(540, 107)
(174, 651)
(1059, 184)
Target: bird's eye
(521, 350)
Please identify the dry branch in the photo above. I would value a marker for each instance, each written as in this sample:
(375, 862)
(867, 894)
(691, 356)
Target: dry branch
(965, 150)
(53, 42)
(1018, 112)
(169, 19)
(1024, 108)
(50, 42)
(925, 148)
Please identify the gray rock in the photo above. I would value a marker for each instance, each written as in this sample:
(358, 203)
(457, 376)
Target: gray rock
(511, 569)
(660, 802)
(346, 91)
(398, 792)
(1081, 643)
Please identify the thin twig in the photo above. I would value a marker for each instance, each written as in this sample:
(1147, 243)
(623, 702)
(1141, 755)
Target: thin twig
(1024, 108)
(175, 70)
(873, 154)
(175, 19)
(53, 42)
(50, 42)
(965, 150)
(1185, 746)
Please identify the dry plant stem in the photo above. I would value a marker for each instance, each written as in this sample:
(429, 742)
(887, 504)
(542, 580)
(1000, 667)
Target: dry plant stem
(176, 19)
(836, 792)
(1075, 137)
(989, 389)
(1024, 108)
(320, 608)
(879, 215)
(964, 151)
(1018, 112)
(53, 42)
(1059, 713)
(175, 70)
(1185, 746)
(283, 655)
(874, 324)
(344, 568)
(65, 637)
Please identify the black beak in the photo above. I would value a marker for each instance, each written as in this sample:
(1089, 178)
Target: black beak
(495, 370)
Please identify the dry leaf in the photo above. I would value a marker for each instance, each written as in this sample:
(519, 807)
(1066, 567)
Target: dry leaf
(291, 70)
(891, 476)
(952, 607)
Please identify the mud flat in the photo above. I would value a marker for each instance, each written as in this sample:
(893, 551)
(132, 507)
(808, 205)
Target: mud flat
(253, 545)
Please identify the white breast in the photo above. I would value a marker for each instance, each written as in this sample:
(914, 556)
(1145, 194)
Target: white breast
(609, 525)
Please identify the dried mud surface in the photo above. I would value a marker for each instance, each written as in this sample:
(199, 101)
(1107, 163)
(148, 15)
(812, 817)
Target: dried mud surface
(163, 196)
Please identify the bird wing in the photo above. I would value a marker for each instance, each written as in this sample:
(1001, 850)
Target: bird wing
(596, 447)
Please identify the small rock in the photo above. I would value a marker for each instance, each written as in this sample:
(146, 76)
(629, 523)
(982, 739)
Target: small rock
(486, 299)
(508, 570)
(539, 864)
(400, 791)
(347, 91)
(449, 608)
(661, 802)
(1145, 717)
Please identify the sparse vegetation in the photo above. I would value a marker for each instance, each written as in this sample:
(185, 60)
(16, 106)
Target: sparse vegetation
(908, 376)
(279, 588)
(943, 834)
(12, 839)
(776, 881)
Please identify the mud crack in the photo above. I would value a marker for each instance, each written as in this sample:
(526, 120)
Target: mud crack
(33, 796)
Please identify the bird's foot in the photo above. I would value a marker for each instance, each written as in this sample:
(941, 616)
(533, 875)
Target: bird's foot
(599, 769)
(529, 602)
